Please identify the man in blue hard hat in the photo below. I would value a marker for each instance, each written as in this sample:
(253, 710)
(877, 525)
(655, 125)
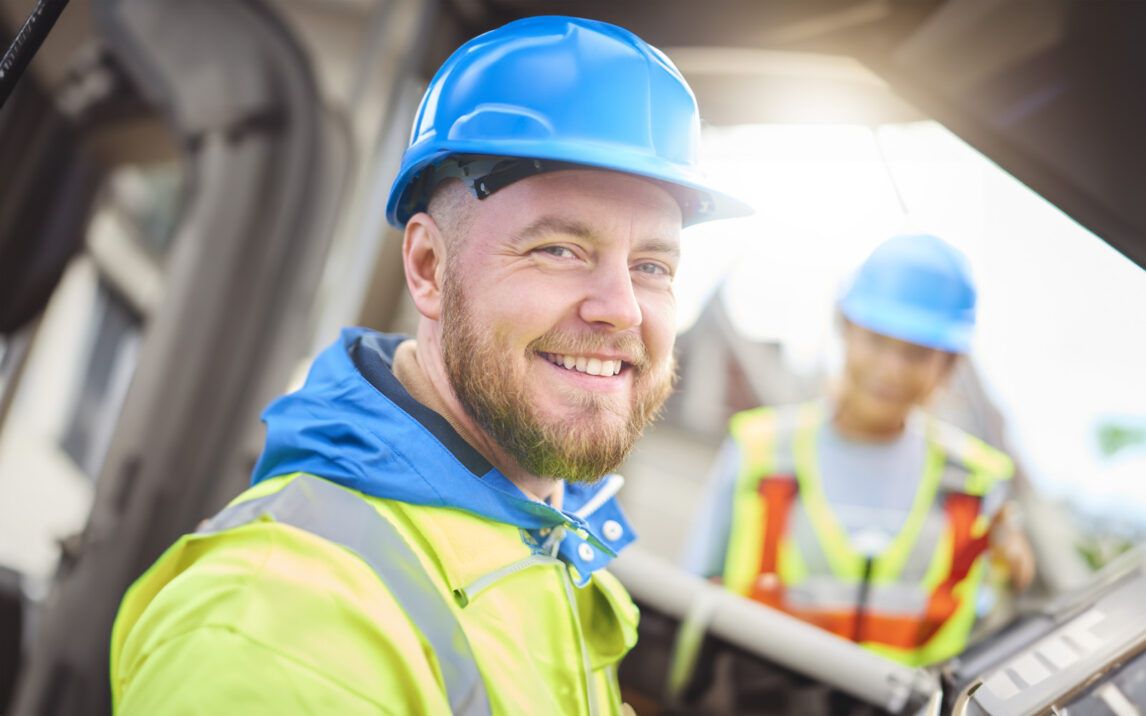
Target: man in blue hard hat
(430, 514)
(861, 513)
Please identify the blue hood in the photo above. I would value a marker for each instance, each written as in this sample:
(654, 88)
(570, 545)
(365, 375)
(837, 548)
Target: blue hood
(354, 424)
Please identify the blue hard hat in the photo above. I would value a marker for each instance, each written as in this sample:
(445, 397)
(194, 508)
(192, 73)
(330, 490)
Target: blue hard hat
(917, 288)
(558, 92)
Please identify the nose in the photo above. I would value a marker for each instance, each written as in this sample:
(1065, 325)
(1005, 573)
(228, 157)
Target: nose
(888, 362)
(611, 299)
(891, 356)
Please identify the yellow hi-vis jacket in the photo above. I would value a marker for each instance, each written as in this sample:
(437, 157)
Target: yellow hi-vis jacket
(307, 597)
(787, 548)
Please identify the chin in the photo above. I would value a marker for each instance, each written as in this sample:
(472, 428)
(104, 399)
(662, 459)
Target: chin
(883, 411)
(588, 418)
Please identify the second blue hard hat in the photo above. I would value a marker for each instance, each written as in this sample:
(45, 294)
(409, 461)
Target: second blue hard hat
(917, 288)
(566, 90)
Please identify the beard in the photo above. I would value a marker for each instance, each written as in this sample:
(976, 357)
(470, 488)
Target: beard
(492, 390)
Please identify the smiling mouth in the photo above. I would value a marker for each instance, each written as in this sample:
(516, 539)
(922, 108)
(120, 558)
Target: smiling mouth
(885, 393)
(583, 364)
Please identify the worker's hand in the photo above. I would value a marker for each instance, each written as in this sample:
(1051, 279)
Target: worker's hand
(1010, 546)
(627, 710)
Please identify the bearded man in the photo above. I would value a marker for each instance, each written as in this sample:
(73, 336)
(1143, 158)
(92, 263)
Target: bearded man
(429, 518)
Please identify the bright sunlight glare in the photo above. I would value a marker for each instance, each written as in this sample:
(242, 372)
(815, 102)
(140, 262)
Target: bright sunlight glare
(1059, 341)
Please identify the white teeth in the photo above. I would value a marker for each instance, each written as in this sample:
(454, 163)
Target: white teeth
(591, 366)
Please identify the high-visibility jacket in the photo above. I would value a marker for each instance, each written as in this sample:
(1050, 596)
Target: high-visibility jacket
(914, 601)
(379, 565)
(280, 615)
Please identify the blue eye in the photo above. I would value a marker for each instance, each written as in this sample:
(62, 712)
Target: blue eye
(652, 268)
(559, 251)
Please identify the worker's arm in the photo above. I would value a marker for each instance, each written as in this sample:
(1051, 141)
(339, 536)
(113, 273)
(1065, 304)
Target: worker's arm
(213, 671)
(1009, 546)
(707, 542)
(265, 619)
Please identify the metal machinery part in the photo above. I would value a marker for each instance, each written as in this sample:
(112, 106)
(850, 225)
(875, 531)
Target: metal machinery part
(1081, 651)
(773, 635)
(265, 169)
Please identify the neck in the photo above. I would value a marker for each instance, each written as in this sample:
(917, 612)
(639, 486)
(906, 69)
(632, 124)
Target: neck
(854, 424)
(418, 366)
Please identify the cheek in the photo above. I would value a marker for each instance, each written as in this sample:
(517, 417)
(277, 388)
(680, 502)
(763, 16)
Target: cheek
(854, 366)
(935, 376)
(659, 320)
(512, 305)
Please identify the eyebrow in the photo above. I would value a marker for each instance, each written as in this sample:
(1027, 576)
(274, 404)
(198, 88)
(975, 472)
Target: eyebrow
(660, 246)
(554, 225)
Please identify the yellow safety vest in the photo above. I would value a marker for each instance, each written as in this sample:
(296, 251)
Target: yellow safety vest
(306, 597)
(787, 548)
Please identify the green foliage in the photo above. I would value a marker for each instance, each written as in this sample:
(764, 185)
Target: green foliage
(1099, 549)
(1115, 437)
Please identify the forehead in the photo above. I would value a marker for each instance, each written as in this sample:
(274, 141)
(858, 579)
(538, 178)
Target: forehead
(868, 336)
(600, 201)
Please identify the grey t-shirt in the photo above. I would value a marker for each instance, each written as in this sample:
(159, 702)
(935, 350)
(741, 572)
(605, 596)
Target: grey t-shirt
(870, 485)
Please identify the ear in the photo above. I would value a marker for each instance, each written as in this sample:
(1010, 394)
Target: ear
(424, 258)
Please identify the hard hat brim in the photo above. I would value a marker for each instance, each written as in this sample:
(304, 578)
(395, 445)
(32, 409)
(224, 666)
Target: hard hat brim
(699, 201)
(913, 325)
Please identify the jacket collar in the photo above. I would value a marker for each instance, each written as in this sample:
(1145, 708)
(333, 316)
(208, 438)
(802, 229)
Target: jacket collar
(353, 423)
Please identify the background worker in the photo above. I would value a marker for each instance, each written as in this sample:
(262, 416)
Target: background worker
(427, 524)
(860, 512)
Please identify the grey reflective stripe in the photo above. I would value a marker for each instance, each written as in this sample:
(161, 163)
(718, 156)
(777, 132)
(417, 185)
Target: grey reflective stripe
(925, 549)
(339, 516)
(783, 436)
(973, 465)
(801, 530)
(830, 594)
(803, 534)
(954, 477)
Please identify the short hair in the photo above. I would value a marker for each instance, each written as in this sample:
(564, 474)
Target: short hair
(451, 208)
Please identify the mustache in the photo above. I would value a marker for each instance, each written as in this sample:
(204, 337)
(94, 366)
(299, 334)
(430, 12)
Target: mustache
(563, 342)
